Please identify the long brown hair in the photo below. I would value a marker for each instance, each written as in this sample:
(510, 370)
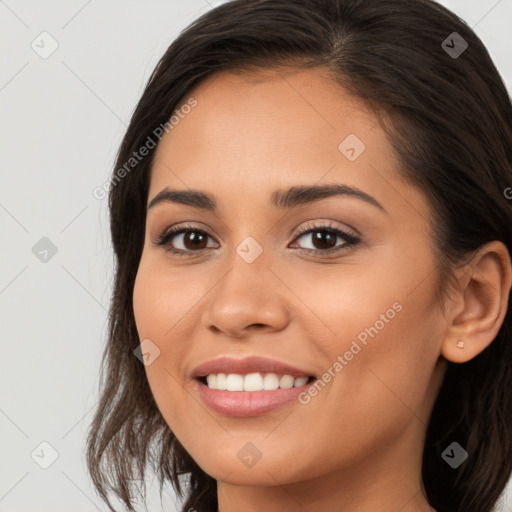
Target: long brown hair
(450, 124)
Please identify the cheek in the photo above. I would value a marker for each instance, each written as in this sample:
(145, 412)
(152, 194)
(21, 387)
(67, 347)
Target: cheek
(161, 300)
(379, 337)
(348, 306)
(389, 354)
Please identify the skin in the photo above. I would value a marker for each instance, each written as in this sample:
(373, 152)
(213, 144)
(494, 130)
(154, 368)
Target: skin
(357, 445)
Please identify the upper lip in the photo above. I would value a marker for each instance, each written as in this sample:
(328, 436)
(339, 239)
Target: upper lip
(247, 365)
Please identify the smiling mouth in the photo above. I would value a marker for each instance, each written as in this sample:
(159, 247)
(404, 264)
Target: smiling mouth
(253, 382)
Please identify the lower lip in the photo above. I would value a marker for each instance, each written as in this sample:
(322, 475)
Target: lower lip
(247, 403)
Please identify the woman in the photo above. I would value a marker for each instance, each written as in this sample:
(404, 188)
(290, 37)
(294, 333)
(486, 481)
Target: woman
(312, 231)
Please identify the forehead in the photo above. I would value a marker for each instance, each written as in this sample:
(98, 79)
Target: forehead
(287, 112)
(254, 133)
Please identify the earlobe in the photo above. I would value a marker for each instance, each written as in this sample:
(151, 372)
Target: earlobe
(480, 304)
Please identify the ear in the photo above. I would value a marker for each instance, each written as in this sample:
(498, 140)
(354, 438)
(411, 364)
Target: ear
(479, 304)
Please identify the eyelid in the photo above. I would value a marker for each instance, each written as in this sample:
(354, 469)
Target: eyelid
(328, 225)
(171, 232)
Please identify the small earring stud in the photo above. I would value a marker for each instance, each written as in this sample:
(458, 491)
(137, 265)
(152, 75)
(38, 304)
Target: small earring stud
(460, 344)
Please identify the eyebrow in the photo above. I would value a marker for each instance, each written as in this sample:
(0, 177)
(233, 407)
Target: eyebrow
(284, 199)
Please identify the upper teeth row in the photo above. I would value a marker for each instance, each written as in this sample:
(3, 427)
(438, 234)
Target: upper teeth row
(253, 381)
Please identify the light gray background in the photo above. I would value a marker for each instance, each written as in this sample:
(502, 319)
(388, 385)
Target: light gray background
(62, 120)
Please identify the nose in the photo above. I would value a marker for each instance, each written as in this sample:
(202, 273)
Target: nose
(248, 297)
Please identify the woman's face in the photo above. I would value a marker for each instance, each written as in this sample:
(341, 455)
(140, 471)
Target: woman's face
(271, 278)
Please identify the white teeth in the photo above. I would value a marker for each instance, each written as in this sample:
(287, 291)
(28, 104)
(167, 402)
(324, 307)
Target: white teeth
(234, 382)
(270, 382)
(212, 381)
(300, 381)
(253, 381)
(221, 381)
(286, 382)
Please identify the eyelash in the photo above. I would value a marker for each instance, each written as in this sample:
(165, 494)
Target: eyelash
(351, 240)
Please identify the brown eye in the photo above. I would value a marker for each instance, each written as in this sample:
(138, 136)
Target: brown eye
(183, 239)
(194, 240)
(187, 240)
(324, 239)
